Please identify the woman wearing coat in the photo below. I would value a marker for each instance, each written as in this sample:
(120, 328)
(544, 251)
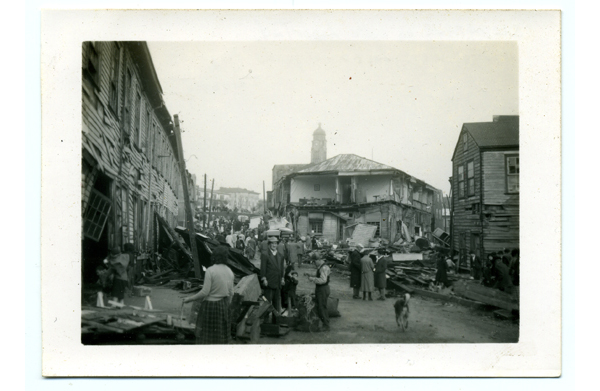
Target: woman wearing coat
(355, 270)
(366, 282)
(380, 278)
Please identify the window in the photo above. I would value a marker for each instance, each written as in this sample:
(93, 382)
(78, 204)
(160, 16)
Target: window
(475, 209)
(316, 226)
(470, 178)
(96, 215)
(461, 181)
(114, 78)
(91, 63)
(465, 142)
(317, 187)
(128, 88)
(377, 224)
(137, 110)
(149, 124)
(512, 173)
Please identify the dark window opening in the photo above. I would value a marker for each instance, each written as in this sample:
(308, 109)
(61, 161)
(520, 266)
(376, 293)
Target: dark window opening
(470, 179)
(512, 173)
(461, 181)
(91, 66)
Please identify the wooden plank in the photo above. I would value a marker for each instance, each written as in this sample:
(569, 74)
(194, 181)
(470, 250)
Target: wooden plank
(396, 284)
(103, 326)
(486, 295)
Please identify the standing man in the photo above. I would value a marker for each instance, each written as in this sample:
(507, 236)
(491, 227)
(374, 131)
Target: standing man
(271, 273)
(366, 282)
(355, 270)
(250, 247)
(475, 265)
(282, 248)
(292, 251)
(301, 250)
(322, 291)
(380, 277)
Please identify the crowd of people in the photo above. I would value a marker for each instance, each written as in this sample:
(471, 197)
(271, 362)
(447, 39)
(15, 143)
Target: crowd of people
(499, 270)
(367, 273)
(279, 259)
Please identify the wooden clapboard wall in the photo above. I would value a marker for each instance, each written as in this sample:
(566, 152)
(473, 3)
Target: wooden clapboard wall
(148, 169)
(501, 210)
(466, 220)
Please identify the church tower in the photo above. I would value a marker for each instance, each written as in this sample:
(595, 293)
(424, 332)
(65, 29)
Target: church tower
(318, 152)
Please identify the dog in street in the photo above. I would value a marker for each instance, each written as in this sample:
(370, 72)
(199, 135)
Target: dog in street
(401, 309)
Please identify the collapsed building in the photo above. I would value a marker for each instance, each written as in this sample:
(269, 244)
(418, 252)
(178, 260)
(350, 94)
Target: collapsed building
(329, 197)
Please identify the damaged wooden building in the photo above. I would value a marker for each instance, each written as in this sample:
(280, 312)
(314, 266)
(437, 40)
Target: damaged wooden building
(329, 198)
(129, 157)
(485, 187)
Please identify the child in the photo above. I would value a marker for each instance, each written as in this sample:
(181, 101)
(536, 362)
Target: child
(289, 289)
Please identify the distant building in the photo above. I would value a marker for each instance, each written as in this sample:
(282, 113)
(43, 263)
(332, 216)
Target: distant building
(485, 186)
(231, 198)
(242, 199)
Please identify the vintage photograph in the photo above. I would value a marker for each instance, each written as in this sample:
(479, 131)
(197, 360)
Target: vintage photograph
(300, 192)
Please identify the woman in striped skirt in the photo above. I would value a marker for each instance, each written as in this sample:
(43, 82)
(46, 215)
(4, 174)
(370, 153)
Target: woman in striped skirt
(213, 325)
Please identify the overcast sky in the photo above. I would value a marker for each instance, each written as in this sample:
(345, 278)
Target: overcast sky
(247, 106)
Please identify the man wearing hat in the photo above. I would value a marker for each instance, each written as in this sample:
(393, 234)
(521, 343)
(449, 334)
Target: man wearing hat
(271, 273)
(322, 290)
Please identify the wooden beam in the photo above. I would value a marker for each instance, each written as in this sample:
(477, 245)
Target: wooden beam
(186, 198)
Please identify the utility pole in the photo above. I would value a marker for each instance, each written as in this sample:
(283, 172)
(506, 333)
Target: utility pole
(212, 188)
(204, 207)
(189, 220)
(264, 200)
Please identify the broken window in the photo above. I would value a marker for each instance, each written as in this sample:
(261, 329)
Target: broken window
(461, 181)
(136, 122)
(114, 78)
(470, 178)
(96, 215)
(512, 173)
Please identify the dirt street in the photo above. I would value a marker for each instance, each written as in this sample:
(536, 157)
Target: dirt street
(430, 320)
(374, 321)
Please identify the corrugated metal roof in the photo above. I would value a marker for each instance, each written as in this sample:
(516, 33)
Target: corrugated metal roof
(501, 133)
(345, 163)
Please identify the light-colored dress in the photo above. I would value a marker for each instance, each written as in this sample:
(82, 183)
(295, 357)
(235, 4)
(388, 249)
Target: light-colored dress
(366, 265)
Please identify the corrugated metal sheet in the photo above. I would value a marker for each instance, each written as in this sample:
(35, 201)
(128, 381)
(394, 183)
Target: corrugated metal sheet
(346, 162)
